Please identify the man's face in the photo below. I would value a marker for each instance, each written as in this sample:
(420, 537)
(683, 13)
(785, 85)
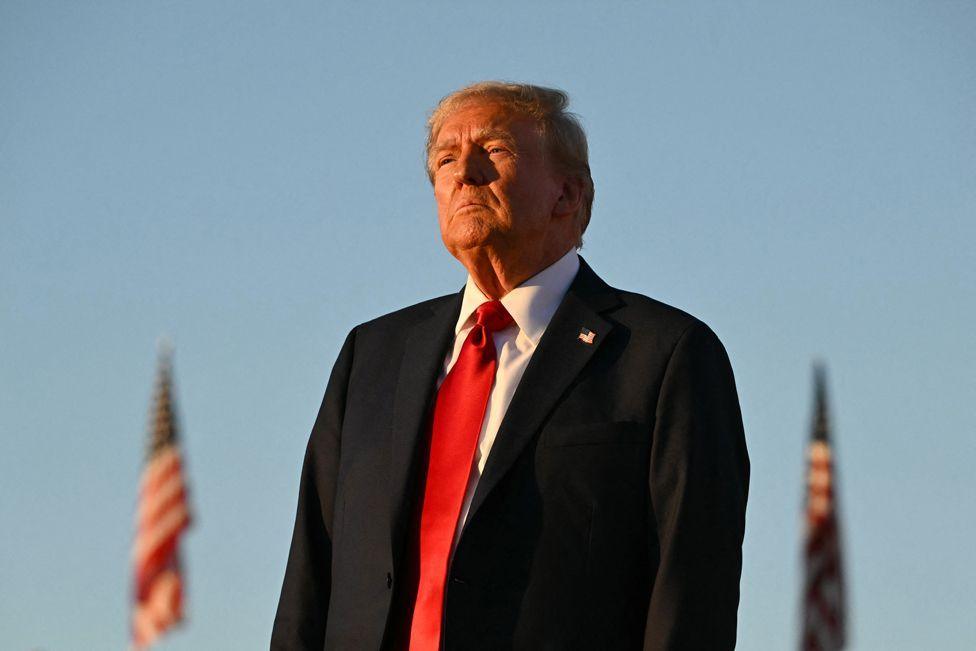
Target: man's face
(493, 183)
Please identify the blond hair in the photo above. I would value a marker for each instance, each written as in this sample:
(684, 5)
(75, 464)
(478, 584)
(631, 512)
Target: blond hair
(561, 130)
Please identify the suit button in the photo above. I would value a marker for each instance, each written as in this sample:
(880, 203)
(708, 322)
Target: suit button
(389, 580)
(458, 580)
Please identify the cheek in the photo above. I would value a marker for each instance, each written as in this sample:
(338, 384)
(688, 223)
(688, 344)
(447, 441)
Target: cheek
(511, 194)
(442, 196)
(523, 201)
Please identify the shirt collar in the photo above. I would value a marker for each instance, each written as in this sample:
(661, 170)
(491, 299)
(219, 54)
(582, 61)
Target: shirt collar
(532, 303)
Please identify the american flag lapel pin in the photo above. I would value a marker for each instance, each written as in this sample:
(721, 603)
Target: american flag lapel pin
(587, 336)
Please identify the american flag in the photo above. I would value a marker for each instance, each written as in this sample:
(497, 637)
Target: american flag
(823, 609)
(586, 336)
(163, 514)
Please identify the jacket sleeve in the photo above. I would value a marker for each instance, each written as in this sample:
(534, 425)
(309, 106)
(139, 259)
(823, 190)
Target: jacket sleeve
(304, 603)
(699, 480)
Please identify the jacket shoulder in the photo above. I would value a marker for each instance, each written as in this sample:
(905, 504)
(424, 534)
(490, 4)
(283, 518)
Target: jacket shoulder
(405, 317)
(669, 333)
(646, 318)
(666, 328)
(640, 311)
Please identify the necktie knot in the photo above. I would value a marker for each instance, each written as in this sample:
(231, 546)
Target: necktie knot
(493, 316)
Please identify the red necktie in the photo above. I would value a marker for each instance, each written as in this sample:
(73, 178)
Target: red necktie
(456, 426)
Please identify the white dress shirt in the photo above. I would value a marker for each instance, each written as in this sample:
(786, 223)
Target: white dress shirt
(531, 305)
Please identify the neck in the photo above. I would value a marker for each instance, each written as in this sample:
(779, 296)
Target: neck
(496, 275)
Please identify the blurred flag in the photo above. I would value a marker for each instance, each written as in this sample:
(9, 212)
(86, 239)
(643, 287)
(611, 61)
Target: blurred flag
(823, 616)
(163, 514)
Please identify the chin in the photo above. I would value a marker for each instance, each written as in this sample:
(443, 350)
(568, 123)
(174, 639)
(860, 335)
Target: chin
(469, 231)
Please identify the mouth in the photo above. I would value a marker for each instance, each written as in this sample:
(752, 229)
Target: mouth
(470, 204)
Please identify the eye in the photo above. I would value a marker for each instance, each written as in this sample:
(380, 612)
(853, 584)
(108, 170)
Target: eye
(441, 162)
(497, 150)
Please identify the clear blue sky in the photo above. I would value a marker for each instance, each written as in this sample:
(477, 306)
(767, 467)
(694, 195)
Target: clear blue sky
(247, 178)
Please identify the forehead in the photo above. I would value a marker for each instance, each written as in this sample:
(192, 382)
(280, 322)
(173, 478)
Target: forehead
(475, 118)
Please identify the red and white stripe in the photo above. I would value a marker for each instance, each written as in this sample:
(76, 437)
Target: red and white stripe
(163, 514)
(823, 594)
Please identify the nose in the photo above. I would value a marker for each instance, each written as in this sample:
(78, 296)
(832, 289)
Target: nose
(470, 168)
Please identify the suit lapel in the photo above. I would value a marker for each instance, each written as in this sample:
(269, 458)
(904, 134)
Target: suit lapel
(559, 358)
(426, 345)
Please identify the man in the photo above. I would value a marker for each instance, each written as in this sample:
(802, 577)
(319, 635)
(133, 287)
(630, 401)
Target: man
(538, 462)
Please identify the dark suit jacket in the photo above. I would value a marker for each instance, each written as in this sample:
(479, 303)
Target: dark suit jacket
(610, 514)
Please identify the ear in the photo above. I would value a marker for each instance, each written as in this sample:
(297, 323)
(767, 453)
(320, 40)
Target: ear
(570, 198)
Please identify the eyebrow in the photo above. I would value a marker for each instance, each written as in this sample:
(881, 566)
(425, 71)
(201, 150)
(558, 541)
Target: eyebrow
(479, 136)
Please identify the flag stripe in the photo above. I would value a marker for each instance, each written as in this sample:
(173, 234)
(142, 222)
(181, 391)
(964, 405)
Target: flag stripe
(166, 528)
(823, 618)
(162, 515)
(159, 500)
(162, 463)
